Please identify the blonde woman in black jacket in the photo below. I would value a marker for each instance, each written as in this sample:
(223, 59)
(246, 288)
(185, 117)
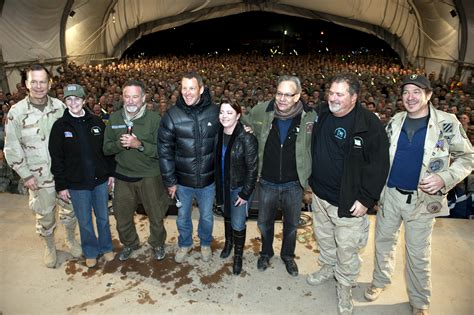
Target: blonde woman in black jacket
(236, 174)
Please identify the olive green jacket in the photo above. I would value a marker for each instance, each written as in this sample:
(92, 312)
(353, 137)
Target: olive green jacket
(260, 119)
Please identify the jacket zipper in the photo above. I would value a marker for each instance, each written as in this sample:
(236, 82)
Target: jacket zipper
(198, 145)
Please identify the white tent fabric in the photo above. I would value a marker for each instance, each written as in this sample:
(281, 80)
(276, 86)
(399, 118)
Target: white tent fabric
(424, 32)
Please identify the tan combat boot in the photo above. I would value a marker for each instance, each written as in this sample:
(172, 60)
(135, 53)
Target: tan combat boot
(74, 247)
(49, 257)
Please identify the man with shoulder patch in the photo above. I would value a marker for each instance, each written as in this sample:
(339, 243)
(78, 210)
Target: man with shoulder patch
(429, 155)
(28, 127)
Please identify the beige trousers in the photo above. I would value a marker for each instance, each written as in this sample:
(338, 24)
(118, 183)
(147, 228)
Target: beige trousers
(339, 240)
(417, 245)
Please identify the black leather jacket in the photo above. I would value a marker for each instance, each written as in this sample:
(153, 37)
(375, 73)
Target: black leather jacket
(186, 143)
(241, 165)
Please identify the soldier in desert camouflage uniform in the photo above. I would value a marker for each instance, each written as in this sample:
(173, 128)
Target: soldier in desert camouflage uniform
(27, 129)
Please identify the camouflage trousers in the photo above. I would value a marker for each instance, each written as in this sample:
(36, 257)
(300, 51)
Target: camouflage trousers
(418, 230)
(43, 202)
(339, 240)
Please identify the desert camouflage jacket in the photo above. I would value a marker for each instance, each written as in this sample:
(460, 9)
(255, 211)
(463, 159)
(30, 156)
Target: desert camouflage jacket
(27, 136)
(447, 152)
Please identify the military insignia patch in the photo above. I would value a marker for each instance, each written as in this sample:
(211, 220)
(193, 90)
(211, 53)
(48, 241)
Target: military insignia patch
(440, 144)
(448, 127)
(436, 165)
(449, 138)
(434, 207)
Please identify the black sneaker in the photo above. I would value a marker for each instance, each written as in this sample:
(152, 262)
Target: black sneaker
(291, 267)
(127, 252)
(159, 252)
(263, 263)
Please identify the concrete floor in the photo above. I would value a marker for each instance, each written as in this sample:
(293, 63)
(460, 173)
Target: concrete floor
(144, 286)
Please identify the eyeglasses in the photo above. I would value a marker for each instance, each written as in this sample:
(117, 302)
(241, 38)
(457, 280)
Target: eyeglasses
(285, 95)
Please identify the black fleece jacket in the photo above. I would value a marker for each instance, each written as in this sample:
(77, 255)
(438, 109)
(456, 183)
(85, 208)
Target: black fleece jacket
(366, 160)
(77, 159)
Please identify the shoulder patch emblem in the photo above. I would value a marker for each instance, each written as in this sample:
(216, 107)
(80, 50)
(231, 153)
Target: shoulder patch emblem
(436, 165)
(449, 138)
(447, 127)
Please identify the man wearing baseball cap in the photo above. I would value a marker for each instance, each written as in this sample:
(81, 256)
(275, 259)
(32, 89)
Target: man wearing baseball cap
(429, 155)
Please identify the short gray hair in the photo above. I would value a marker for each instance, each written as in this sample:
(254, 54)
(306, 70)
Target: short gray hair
(291, 78)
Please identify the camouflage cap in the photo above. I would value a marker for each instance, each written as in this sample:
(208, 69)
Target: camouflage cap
(74, 90)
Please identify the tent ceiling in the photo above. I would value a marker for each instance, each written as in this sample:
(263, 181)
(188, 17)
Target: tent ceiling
(423, 32)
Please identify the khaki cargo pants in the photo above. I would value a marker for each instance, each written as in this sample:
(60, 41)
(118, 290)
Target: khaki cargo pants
(339, 240)
(418, 230)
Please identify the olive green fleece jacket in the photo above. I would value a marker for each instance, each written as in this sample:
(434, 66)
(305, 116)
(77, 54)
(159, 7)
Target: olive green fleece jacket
(133, 163)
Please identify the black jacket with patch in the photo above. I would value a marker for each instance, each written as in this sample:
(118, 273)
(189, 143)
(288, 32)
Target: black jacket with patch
(366, 160)
(77, 159)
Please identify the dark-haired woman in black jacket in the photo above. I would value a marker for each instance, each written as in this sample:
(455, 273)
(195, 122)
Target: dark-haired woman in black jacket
(236, 173)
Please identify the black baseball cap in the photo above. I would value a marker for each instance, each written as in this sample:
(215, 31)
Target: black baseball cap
(419, 80)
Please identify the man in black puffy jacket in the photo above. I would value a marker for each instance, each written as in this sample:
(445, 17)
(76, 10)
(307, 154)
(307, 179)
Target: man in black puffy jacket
(185, 145)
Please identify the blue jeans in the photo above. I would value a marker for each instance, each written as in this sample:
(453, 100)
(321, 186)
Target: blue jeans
(205, 199)
(83, 202)
(287, 197)
(238, 215)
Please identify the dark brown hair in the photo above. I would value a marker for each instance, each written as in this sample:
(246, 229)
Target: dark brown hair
(233, 103)
(37, 67)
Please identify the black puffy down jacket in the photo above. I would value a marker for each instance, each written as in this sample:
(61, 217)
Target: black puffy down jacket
(186, 143)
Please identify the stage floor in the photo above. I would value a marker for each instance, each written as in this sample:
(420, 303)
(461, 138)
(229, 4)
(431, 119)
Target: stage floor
(145, 286)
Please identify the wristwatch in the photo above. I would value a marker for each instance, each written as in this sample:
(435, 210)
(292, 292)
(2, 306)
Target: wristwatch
(141, 148)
